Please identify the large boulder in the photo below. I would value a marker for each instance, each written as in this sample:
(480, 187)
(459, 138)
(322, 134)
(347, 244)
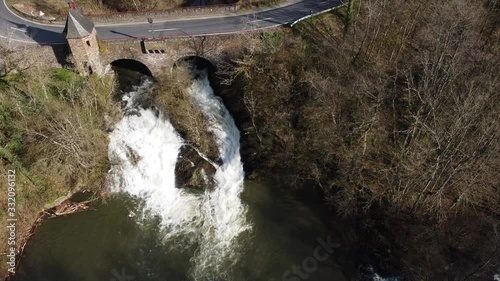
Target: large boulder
(193, 169)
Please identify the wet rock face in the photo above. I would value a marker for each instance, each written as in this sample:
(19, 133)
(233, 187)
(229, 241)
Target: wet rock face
(192, 170)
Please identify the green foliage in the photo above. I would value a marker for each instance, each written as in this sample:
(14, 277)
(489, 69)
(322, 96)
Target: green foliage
(272, 39)
(310, 21)
(11, 138)
(65, 76)
(10, 78)
(349, 18)
(65, 84)
(51, 127)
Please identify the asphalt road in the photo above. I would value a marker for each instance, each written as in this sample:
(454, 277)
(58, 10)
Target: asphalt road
(20, 30)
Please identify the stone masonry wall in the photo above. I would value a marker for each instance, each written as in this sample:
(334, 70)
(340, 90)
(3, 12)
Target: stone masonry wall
(85, 53)
(160, 55)
(34, 56)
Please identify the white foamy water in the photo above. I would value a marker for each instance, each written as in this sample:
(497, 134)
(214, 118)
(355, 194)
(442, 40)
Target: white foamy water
(143, 151)
(377, 277)
(227, 213)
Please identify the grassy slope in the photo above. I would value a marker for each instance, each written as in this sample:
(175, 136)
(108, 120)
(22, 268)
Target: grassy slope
(51, 133)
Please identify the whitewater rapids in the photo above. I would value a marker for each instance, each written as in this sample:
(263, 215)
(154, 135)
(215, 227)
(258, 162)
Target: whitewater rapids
(143, 151)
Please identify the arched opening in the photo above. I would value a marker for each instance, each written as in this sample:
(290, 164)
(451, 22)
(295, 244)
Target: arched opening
(129, 73)
(131, 65)
(197, 63)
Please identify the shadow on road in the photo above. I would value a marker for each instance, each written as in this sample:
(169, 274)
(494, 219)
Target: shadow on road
(40, 35)
(47, 37)
(124, 34)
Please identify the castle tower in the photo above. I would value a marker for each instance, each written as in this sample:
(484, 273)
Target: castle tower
(82, 40)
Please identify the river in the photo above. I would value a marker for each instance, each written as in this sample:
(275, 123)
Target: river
(149, 229)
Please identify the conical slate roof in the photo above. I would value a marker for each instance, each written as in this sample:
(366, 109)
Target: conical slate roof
(77, 25)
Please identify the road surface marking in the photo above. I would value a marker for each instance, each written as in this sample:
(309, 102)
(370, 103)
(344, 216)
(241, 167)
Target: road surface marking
(165, 29)
(19, 29)
(261, 19)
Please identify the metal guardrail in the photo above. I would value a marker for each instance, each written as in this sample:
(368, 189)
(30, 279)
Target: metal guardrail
(317, 14)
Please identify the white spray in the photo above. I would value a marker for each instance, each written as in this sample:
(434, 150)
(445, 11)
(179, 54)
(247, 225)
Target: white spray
(143, 151)
(227, 213)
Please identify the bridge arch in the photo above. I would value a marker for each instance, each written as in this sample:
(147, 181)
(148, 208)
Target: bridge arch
(199, 63)
(132, 64)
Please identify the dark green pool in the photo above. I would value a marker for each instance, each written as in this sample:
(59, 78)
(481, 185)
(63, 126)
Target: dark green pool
(116, 242)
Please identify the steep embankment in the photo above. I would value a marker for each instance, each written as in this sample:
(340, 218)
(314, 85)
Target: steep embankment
(395, 120)
(52, 133)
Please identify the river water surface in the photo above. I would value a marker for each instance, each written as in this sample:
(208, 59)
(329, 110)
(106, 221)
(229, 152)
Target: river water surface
(97, 245)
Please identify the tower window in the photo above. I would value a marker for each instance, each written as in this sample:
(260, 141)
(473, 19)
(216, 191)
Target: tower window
(88, 67)
(88, 43)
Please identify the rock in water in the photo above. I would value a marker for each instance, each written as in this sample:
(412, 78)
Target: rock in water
(192, 170)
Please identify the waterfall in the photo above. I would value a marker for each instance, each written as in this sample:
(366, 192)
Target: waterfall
(226, 210)
(143, 151)
(376, 277)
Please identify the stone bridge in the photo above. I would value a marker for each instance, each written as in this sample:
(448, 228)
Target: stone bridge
(198, 36)
(158, 56)
(155, 56)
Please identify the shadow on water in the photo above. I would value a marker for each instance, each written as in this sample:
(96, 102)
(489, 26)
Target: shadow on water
(127, 67)
(129, 73)
(288, 224)
(197, 63)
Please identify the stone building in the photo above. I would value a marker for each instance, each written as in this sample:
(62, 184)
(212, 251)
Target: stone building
(82, 40)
